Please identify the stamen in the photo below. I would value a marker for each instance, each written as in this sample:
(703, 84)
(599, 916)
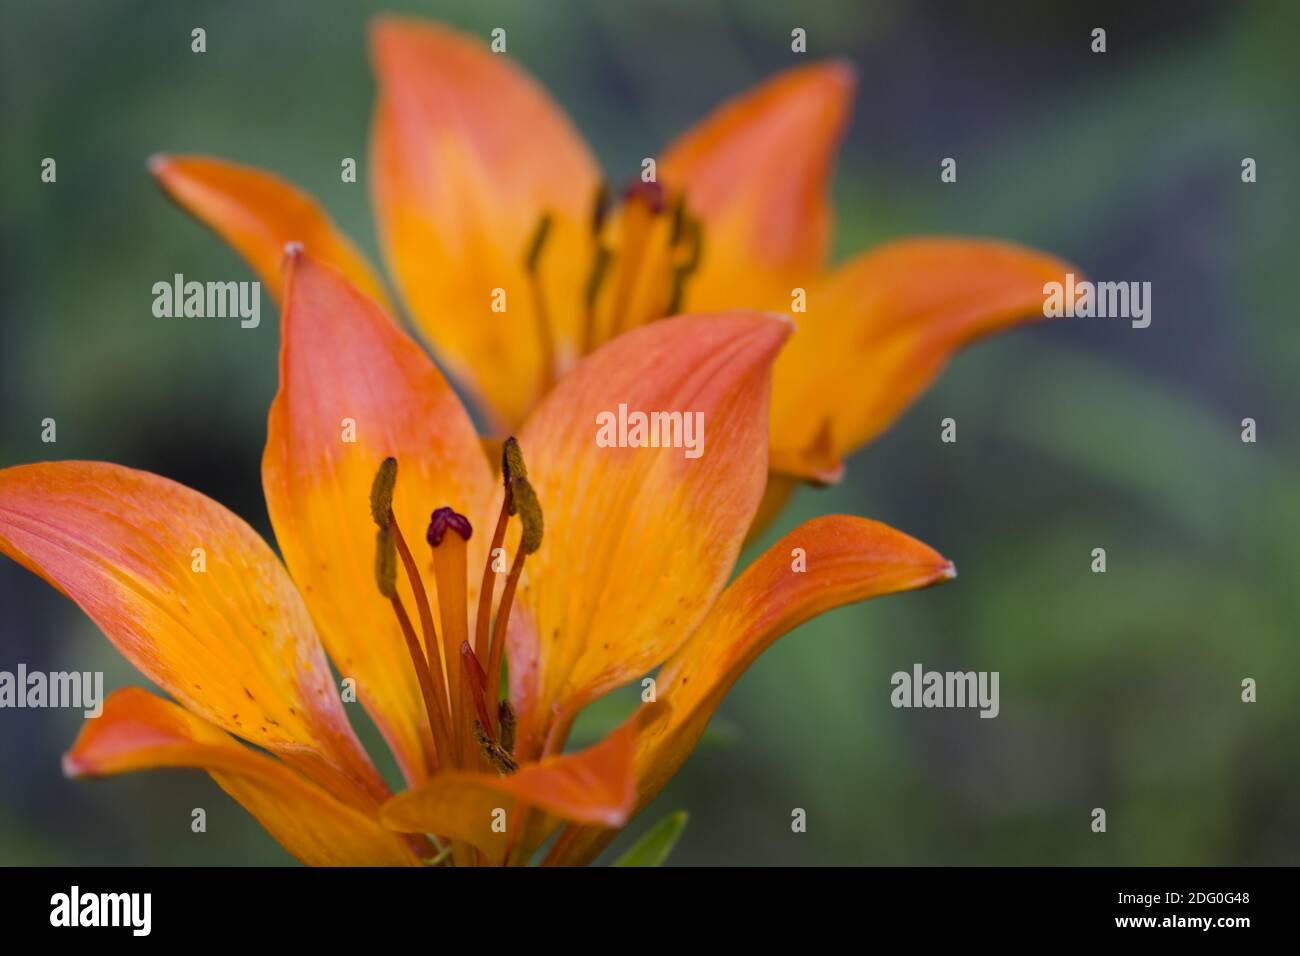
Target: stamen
(381, 491)
(495, 753)
(693, 233)
(474, 680)
(600, 208)
(512, 469)
(521, 498)
(432, 650)
(538, 242)
(530, 513)
(545, 334)
(448, 533)
(508, 722)
(502, 623)
(599, 269)
(388, 542)
(386, 562)
(679, 219)
(441, 742)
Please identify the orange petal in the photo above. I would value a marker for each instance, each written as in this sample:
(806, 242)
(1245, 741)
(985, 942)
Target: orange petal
(259, 214)
(469, 153)
(355, 389)
(138, 731)
(846, 559)
(639, 541)
(880, 330)
(595, 787)
(194, 599)
(757, 172)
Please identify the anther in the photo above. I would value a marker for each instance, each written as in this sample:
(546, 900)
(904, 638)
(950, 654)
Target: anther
(679, 219)
(693, 234)
(512, 463)
(545, 335)
(600, 208)
(522, 498)
(386, 562)
(595, 280)
(538, 242)
(508, 721)
(381, 491)
(530, 513)
(495, 753)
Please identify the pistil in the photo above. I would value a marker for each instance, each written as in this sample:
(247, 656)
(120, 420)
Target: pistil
(470, 725)
(656, 249)
(642, 204)
(449, 533)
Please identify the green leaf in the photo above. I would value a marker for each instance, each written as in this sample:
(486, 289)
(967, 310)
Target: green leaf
(653, 848)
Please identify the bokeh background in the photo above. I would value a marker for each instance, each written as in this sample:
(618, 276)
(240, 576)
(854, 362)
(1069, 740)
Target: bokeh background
(1119, 690)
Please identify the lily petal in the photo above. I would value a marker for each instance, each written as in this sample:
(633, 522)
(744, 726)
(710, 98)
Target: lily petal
(194, 599)
(469, 154)
(639, 541)
(354, 390)
(880, 330)
(757, 172)
(848, 559)
(139, 731)
(259, 214)
(595, 787)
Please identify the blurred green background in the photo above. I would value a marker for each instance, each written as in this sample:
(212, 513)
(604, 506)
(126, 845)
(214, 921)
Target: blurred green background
(1119, 690)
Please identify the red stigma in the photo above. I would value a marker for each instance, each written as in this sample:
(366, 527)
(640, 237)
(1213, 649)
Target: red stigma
(444, 519)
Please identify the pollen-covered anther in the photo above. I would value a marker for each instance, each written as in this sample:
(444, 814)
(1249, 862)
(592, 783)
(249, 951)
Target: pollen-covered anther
(512, 467)
(541, 309)
(533, 256)
(530, 514)
(495, 753)
(386, 562)
(508, 721)
(599, 208)
(520, 498)
(381, 491)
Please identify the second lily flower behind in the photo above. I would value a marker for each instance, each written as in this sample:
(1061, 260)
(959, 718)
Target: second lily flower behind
(488, 199)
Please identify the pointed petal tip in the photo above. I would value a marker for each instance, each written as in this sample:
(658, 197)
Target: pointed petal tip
(392, 35)
(72, 767)
(840, 72)
(948, 572)
(157, 164)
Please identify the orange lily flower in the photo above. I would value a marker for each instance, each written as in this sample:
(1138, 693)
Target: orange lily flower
(486, 197)
(366, 444)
